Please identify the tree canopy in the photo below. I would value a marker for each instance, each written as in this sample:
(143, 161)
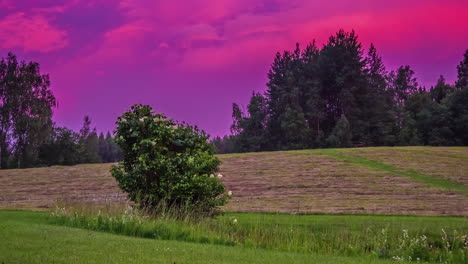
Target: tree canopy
(336, 96)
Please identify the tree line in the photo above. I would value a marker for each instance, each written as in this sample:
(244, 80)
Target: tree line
(29, 137)
(338, 97)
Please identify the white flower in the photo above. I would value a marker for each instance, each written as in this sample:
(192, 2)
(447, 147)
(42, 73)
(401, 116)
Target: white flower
(230, 193)
(234, 221)
(124, 120)
(211, 175)
(121, 137)
(219, 175)
(142, 119)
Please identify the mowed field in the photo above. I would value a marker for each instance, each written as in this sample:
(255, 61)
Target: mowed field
(383, 180)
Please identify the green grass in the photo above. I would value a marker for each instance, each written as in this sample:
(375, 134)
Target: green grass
(436, 182)
(26, 237)
(445, 238)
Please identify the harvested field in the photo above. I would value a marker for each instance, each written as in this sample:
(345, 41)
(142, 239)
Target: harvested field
(42, 187)
(294, 181)
(438, 162)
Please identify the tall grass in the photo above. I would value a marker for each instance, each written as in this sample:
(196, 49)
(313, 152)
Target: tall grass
(291, 233)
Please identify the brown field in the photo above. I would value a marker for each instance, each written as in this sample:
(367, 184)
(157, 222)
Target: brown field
(439, 162)
(292, 181)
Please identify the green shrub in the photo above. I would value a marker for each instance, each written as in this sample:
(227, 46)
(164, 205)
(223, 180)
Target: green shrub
(166, 164)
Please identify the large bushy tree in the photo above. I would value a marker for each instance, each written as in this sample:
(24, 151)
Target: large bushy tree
(166, 162)
(26, 104)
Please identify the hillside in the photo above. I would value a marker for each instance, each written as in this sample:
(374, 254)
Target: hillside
(385, 180)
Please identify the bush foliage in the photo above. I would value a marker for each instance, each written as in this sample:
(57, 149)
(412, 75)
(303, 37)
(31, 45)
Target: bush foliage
(166, 162)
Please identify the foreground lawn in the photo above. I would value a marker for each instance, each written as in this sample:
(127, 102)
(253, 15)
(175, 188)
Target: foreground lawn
(26, 237)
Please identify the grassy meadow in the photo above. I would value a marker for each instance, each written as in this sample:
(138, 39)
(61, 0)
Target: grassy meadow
(27, 237)
(364, 205)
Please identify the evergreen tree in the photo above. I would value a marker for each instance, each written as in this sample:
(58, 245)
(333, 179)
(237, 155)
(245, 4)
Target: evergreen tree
(344, 84)
(382, 128)
(92, 148)
(314, 105)
(441, 90)
(287, 98)
(103, 148)
(89, 143)
(462, 72)
(114, 152)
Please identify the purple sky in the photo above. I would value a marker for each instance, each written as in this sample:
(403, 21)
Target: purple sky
(193, 59)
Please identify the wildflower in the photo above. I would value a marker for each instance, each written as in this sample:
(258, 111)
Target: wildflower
(405, 233)
(211, 175)
(234, 221)
(219, 175)
(445, 238)
(121, 137)
(142, 119)
(230, 193)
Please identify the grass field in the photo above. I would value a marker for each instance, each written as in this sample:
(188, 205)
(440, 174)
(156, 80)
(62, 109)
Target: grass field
(384, 180)
(32, 237)
(371, 204)
(28, 238)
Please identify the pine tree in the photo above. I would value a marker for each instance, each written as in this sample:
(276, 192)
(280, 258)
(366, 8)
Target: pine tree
(103, 148)
(89, 143)
(441, 90)
(344, 86)
(462, 72)
(380, 103)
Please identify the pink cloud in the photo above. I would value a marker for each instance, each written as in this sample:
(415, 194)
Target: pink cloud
(404, 30)
(155, 51)
(176, 12)
(30, 33)
(198, 35)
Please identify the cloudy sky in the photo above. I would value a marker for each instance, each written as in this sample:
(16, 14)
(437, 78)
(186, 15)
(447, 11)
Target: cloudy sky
(193, 59)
